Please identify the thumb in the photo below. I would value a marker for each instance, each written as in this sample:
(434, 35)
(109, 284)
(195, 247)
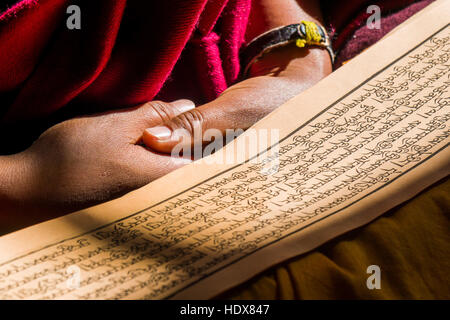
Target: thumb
(191, 128)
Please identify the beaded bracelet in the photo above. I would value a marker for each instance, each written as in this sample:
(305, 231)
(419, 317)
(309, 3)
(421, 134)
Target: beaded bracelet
(304, 34)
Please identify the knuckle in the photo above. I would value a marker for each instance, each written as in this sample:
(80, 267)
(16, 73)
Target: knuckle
(162, 110)
(190, 120)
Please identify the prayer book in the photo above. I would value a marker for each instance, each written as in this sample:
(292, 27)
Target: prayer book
(368, 137)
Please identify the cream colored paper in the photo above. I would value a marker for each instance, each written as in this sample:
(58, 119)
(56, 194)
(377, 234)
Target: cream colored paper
(365, 139)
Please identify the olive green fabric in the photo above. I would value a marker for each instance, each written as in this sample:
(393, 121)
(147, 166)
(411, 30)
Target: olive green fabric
(410, 244)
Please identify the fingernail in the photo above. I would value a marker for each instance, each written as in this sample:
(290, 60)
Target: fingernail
(183, 105)
(160, 132)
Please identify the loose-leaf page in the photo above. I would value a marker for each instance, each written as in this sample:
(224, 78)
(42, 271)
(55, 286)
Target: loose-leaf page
(365, 139)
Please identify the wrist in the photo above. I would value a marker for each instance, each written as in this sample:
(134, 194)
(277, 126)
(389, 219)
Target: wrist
(306, 34)
(310, 64)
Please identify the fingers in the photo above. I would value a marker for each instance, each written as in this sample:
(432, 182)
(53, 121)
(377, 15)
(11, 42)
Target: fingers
(132, 122)
(184, 129)
(193, 127)
(182, 105)
(158, 112)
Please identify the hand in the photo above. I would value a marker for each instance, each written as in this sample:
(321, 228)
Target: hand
(244, 103)
(87, 160)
